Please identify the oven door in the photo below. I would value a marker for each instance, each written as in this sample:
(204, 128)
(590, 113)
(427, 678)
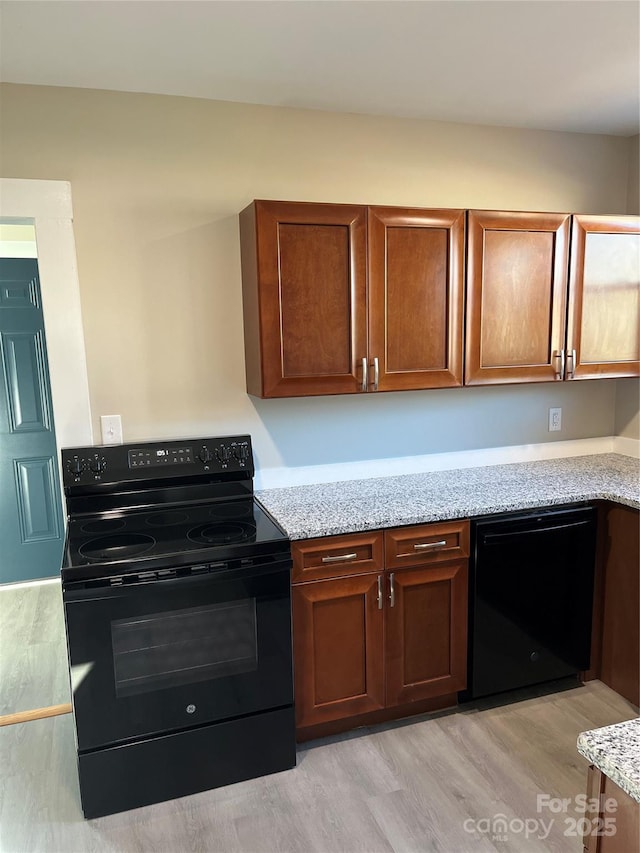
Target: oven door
(156, 657)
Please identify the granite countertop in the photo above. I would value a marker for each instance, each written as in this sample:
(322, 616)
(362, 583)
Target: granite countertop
(306, 512)
(616, 751)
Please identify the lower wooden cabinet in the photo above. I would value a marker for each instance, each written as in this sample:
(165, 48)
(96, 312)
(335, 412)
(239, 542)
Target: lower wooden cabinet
(378, 640)
(615, 828)
(338, 648)
(620, 657)
(426, 633)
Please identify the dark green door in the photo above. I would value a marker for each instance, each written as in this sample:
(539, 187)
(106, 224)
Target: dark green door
(31, 527)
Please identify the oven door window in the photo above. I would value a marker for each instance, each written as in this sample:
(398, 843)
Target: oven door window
(163, 650)
(159, 657)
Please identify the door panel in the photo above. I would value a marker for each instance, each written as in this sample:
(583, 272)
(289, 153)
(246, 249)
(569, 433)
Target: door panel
(604, 305)
(27, 392)
(338, 649)
(427, 633)
(516, 296)
(36, 481)
(30, 500)
(304, 292)
(416, 291)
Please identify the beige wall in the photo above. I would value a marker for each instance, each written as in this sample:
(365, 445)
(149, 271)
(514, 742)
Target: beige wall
(157, 185)
(633, 200)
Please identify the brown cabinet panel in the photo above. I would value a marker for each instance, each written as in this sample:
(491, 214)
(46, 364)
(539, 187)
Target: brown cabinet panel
(625, 820)
(620, 655)
(604, 297)
(338, 648)
(516, 296)
(416, 268)
(426, 632)
(426, 543)
(304, 296)
(335, 556)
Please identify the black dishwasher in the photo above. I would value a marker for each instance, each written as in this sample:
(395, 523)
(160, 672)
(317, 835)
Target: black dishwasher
(531, 590)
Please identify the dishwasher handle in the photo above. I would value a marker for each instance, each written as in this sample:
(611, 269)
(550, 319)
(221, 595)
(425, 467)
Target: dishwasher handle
(490, 538)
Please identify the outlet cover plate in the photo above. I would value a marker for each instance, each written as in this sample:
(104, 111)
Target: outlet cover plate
(111, 426)
(555, 419)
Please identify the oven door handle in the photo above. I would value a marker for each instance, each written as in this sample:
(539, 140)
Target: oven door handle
(100, 588)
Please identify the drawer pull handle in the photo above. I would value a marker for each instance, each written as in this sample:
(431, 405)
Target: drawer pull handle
(424, 546)
(379, 592)
(392, 590)
(340, 558)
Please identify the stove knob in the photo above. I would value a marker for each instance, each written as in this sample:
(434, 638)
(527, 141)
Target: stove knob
(205, 455)
(98, 465)
(76, 466)
(241, 452)
(223, 453)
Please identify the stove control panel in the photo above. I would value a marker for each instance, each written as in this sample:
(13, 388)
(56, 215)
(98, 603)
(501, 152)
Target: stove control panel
(151, 460)
(160, 456)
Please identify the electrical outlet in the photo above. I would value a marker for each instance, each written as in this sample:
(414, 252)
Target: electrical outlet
(111, 426)
(555, 420)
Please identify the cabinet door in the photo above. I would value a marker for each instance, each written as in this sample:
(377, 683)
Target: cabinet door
(338, 648)
(304, 294)
(415, 298)
(516, 296)
(620, 661)
(604, 297)
(426, 632)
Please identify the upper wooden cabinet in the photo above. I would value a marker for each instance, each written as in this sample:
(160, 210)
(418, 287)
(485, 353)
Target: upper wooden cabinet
(604, 301)
(342, 299)
(516, 296)
(416, 283)
(521, 288)
(304, 293)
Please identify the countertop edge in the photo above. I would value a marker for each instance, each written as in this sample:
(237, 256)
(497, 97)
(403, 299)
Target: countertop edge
(611, 749)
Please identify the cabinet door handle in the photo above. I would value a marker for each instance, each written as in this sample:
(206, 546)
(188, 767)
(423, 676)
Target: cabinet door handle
(340, 558)
(376, 374)
(571, 364)
(392, 590)
(559, 356)
(363, 387)
(379, 592)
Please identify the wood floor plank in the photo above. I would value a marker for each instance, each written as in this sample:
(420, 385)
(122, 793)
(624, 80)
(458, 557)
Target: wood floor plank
(33, 656)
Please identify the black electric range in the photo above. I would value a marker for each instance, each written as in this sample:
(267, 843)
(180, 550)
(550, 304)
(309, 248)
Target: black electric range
(177, 597)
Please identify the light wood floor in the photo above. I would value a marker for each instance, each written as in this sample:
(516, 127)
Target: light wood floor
(407, 786)
(33, 655)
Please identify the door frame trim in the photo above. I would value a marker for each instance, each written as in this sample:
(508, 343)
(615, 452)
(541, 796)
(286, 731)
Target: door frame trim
(47, 204)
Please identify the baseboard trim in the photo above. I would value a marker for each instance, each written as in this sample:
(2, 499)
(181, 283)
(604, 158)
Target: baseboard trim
(35, 714)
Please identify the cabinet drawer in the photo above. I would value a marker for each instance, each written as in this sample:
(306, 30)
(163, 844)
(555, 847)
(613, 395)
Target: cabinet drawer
(426, 543)
(335, 556)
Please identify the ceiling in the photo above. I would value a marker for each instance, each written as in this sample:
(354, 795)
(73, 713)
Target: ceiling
(549, 64)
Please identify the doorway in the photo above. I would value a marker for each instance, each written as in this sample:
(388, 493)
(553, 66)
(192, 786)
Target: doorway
(33, 666)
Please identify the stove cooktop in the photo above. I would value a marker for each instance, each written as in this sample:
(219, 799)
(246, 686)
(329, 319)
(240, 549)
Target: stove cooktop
(115, 542)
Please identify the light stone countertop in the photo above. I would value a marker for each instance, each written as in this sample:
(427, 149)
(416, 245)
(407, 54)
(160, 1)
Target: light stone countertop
(616, 751)
(328, 509)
